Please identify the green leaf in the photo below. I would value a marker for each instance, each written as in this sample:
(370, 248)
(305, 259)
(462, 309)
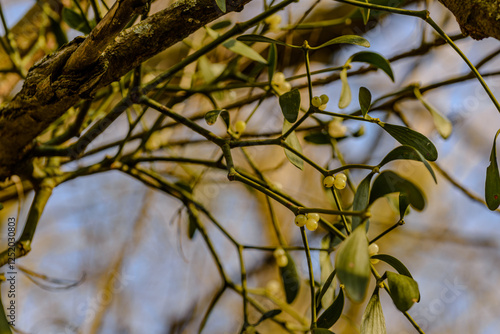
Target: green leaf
(325, 287)
(373, 321)
(353, 264)
(346, 39)
(318, 138)
(365, 100)
(4, 322)
(244, 50)
(221, 25)
(404, 290)
(263, 39)
(389, 182)
(332, 313)
(321, 331)
(222, 5)
(492, 186)
(373, 59)
(407, 153)
(212, 116)
(441, 122)
(403, 205)
(345, 93)
(360, 201)
(409, 137)
(290, 105)
(291, 280)
(75, 20)
(267, 315)
(1, 206)
(393, 262)
(293, 142)
(326, 267)
(238, 47)
(272, 61)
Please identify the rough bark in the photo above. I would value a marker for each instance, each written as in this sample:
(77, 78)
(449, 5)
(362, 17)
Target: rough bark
(83, 66)
(477, 18)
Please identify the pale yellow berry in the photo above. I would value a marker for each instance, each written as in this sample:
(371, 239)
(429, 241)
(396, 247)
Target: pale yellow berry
(311, 224)
(240, 126)
(316, 101)
(339, 183)
(313, 216)
(278, 78)
(300, 220)
(282, 261)
(373, 249)
(324, 99)
(278, 252)
(328, 181)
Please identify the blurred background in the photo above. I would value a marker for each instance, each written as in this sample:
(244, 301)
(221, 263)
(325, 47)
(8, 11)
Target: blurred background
(135, 270)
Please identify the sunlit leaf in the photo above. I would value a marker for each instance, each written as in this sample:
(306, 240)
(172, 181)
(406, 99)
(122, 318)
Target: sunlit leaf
(407, 153)
(492, 186)
(293, 142)
(373, 321)
(441, 122)
(326, 286)
(238, 47)
(404, 290)
(291, 280)
(393, 262)
(263, 39)
(409, 137)
(222, 5)
(352, 263)
(361, 199)
(345, 93)
(389, 182)
(374, 59)
(346, 39)
(332, 313)
(290, 105)
(365, 100)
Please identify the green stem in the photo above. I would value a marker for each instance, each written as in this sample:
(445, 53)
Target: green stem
(311, 277)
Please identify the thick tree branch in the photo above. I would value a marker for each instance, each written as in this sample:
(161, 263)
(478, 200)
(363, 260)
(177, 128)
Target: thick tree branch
(81, 67)
(477, 18)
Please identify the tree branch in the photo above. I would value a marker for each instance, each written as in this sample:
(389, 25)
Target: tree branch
(477, 18)
(81, 67)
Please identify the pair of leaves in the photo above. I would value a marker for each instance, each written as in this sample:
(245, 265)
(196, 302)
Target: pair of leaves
(238, 47)
(352, 263)
(407, 153)
(492, 186)
(368, 57)
(409, 137)
(291, 279)
(389, 182)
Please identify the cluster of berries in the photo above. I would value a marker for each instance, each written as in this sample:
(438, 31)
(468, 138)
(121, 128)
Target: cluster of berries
(280, 257)
(338, 181)
(310, 220)
(320, 101)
